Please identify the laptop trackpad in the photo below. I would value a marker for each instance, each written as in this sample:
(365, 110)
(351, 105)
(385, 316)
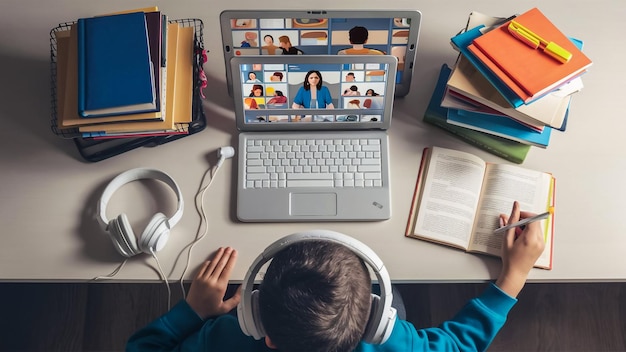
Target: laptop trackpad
(313, 204)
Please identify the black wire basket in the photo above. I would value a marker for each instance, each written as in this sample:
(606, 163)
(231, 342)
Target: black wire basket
(99, 149)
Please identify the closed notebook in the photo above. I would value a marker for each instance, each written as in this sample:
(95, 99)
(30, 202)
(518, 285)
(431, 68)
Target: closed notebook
(68, 110)
(436, 115)
(115, 73)
(462, 41)
(168, 120)
(500, 126)
(532, 70)
(550, 110)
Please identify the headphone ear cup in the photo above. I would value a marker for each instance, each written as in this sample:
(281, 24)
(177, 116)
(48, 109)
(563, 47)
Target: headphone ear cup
(156, 234)
(122, 236)
(114, 232)
(256, 315)
(372, 322)
(379, 326)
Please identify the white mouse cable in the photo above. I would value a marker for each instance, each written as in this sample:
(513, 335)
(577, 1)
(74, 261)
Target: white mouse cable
(224, 153)
(113, 273)
(167, 284)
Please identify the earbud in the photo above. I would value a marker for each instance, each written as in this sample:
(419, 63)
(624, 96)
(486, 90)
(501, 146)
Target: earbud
(225, 153)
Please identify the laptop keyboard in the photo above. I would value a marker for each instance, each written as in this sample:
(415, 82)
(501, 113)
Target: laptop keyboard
(284, 163)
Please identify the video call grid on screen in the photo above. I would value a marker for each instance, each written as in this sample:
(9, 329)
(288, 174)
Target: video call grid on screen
(275, 92)
(275, 33)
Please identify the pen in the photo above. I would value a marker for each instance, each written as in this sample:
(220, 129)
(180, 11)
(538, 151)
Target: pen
(534, 41)
(484, 30)
(526, 221)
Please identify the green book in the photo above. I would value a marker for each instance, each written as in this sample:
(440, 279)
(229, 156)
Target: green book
(436, 115)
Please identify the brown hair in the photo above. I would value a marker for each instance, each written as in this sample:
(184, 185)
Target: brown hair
(315, 296)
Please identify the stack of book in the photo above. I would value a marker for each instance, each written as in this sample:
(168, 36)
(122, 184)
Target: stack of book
(512, 83)
(123, 75)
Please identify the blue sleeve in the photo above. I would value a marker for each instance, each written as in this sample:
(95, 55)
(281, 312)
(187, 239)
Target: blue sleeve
(472, 329)
(168, 331)
(326, 96)
(299, 98)
(181, 329)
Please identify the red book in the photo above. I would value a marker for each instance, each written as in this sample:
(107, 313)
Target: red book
(529, 72)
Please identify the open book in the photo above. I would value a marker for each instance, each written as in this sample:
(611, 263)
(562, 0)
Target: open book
(458, 199)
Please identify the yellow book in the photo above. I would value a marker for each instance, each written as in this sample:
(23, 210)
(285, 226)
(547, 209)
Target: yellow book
(168, 121)
(184, 76)
(63, 44)
(143, 9)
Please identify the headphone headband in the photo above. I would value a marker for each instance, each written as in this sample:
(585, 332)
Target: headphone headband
(133, 175)
(383, 314)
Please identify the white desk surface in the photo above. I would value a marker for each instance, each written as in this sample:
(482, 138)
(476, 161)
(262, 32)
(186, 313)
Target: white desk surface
(48, 193)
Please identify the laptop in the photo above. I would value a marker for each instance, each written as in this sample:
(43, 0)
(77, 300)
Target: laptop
(270, 32)
(314, 151)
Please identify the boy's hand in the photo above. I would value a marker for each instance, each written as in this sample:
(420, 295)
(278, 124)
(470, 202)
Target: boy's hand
(520, 250)
(206, 294)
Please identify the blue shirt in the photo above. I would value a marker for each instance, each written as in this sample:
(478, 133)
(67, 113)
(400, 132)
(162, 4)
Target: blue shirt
(303, 97)
(472, 329)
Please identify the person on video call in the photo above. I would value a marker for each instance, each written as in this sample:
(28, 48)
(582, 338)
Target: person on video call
(285, 44)
(358, 37)
(312, 94)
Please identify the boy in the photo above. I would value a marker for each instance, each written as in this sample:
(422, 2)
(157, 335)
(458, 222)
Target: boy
(299, 315)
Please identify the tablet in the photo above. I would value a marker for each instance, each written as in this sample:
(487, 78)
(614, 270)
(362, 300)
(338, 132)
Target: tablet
(332, 32)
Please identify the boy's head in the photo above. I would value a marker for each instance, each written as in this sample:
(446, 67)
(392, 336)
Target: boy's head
(315, 296)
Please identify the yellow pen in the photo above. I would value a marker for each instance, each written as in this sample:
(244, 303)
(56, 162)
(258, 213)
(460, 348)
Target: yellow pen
(536, 42)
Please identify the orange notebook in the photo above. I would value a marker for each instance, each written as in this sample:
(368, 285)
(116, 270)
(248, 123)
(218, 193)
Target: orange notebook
(523, 68)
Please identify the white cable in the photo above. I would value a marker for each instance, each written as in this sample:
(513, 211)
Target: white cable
(169, 292)
(113, 273)
(203, 219)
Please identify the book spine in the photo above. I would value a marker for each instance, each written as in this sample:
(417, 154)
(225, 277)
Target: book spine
(410, 226)
(473, 141)
(80, 32)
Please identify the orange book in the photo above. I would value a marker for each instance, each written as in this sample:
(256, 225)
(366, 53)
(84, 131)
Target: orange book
(524, 68)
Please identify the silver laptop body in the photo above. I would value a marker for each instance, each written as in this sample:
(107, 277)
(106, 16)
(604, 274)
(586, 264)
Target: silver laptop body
(322, 32)
(326, 163)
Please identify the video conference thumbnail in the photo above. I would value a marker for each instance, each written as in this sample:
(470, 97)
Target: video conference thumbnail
(342, 36)
(338, 92)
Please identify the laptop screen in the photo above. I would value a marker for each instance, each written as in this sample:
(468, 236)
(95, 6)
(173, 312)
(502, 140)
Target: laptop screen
(325, 33)
(323, 90)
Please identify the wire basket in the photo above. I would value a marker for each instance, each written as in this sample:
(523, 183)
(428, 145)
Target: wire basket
(99, 149)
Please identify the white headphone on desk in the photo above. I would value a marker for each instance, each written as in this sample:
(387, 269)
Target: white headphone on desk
(155, 235)
(382, 316)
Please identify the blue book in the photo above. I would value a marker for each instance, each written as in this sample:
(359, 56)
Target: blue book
(461, 41)
(500, 126)
(436, 115)
(115, 74)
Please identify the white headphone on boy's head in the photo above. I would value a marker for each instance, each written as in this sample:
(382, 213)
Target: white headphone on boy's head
(382, 316)
(157, 232)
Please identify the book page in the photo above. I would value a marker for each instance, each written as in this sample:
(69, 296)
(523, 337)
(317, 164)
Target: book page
(504, 184)
(449, 197)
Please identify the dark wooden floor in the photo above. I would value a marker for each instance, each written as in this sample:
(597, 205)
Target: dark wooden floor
(101, 316)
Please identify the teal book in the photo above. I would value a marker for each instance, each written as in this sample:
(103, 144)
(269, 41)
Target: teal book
(115, 74)
(461, 42)
(436, 115)
(500, 126)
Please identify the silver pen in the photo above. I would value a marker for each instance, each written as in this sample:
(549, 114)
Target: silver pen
(526, 221)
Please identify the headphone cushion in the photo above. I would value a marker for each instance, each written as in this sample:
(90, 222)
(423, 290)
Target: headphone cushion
(256, 313)
(122, 235)
(372, 322)
(379, 326)
(156, 234)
